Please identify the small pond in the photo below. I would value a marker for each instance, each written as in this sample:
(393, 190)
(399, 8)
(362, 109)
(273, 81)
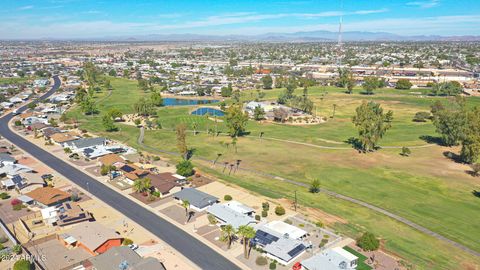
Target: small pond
(210, 111)
(184, 102)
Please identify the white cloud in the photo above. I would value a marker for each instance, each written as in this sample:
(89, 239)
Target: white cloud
(424, 4)
(441, 25)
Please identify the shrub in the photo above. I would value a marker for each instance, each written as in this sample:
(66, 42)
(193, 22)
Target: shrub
(17, 249)
(227, 197)
(23, 265)
(156, 194)
(422, 117)
(288, 221)
(17, 207)
(15, 202)
(156, 158)
(368, 242)
(273, 265)
(404, 84)
(264, 213)
(4, 196)
(104, 170)
(127, 241)
(279, 210)
(405, 151)
(212, 219)
(319, 224)
(261, 261)
(185, 168)
(257, 217)
(74, 197)
(265, 206)
(18, 123)
(475, 169)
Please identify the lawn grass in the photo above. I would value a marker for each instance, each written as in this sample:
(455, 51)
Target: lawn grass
(422, 188)
(13, 80)
(361, 265)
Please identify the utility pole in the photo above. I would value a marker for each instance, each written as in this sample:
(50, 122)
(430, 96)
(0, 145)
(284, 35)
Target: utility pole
(295, 203)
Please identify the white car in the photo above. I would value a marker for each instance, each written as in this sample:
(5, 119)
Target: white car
(133, 246)
(15, 112)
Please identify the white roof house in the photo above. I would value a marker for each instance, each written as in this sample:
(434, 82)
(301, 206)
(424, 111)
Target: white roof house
(49, 214)
(281, 241)
(235, 216)
(331, 259)
(283, 228)
(241, 208)
(13, 169)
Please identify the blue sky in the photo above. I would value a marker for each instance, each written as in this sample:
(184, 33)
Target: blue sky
(88, 18)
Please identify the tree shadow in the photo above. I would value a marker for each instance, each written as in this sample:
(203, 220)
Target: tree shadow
(432, 139)
(452, 156)
(190, 153)
(472, 173)
(366, 93)
(190, 215)
(476, 193)
(356, 144)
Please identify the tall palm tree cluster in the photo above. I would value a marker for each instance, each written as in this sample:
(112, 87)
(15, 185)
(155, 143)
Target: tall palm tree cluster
(228, 235)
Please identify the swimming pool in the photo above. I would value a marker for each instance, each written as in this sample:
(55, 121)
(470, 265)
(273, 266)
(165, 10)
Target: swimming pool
(185, 102)
(210, 111)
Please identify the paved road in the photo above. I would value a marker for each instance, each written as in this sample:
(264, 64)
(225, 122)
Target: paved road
(330, 193)
(199, 253)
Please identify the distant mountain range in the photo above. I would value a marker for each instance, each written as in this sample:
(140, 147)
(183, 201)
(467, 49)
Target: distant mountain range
(317, 36)
(325, 36)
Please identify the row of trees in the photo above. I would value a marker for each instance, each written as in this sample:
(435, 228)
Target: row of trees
(458, 124)
(288, 97)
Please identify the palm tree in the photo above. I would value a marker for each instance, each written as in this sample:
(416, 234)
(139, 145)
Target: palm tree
(142, 185)
(247, 233)
(186, 205)
(194, 126)
(218, 156)
(138, 185)
(334, 108)
(228, 233)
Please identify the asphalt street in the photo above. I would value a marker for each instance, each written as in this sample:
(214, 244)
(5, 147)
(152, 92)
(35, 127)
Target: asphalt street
(199, 253)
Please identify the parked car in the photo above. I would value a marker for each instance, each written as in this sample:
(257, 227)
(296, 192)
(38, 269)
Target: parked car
(133, 246)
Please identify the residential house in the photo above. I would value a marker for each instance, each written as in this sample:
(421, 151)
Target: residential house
(14, 182)
(59, 256)
(331, 259)
(94, 237)
(10, 170)
(80, 144)
(67, 213)
(49, 131)
(111, 160)
(132, 173)
(7, 159)
(37, 126)
(123, 257)
(48, 196)
(35, 119)
(164, 183)
(232, 213)
(281, 242)
(63, 138)
(199, 201)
